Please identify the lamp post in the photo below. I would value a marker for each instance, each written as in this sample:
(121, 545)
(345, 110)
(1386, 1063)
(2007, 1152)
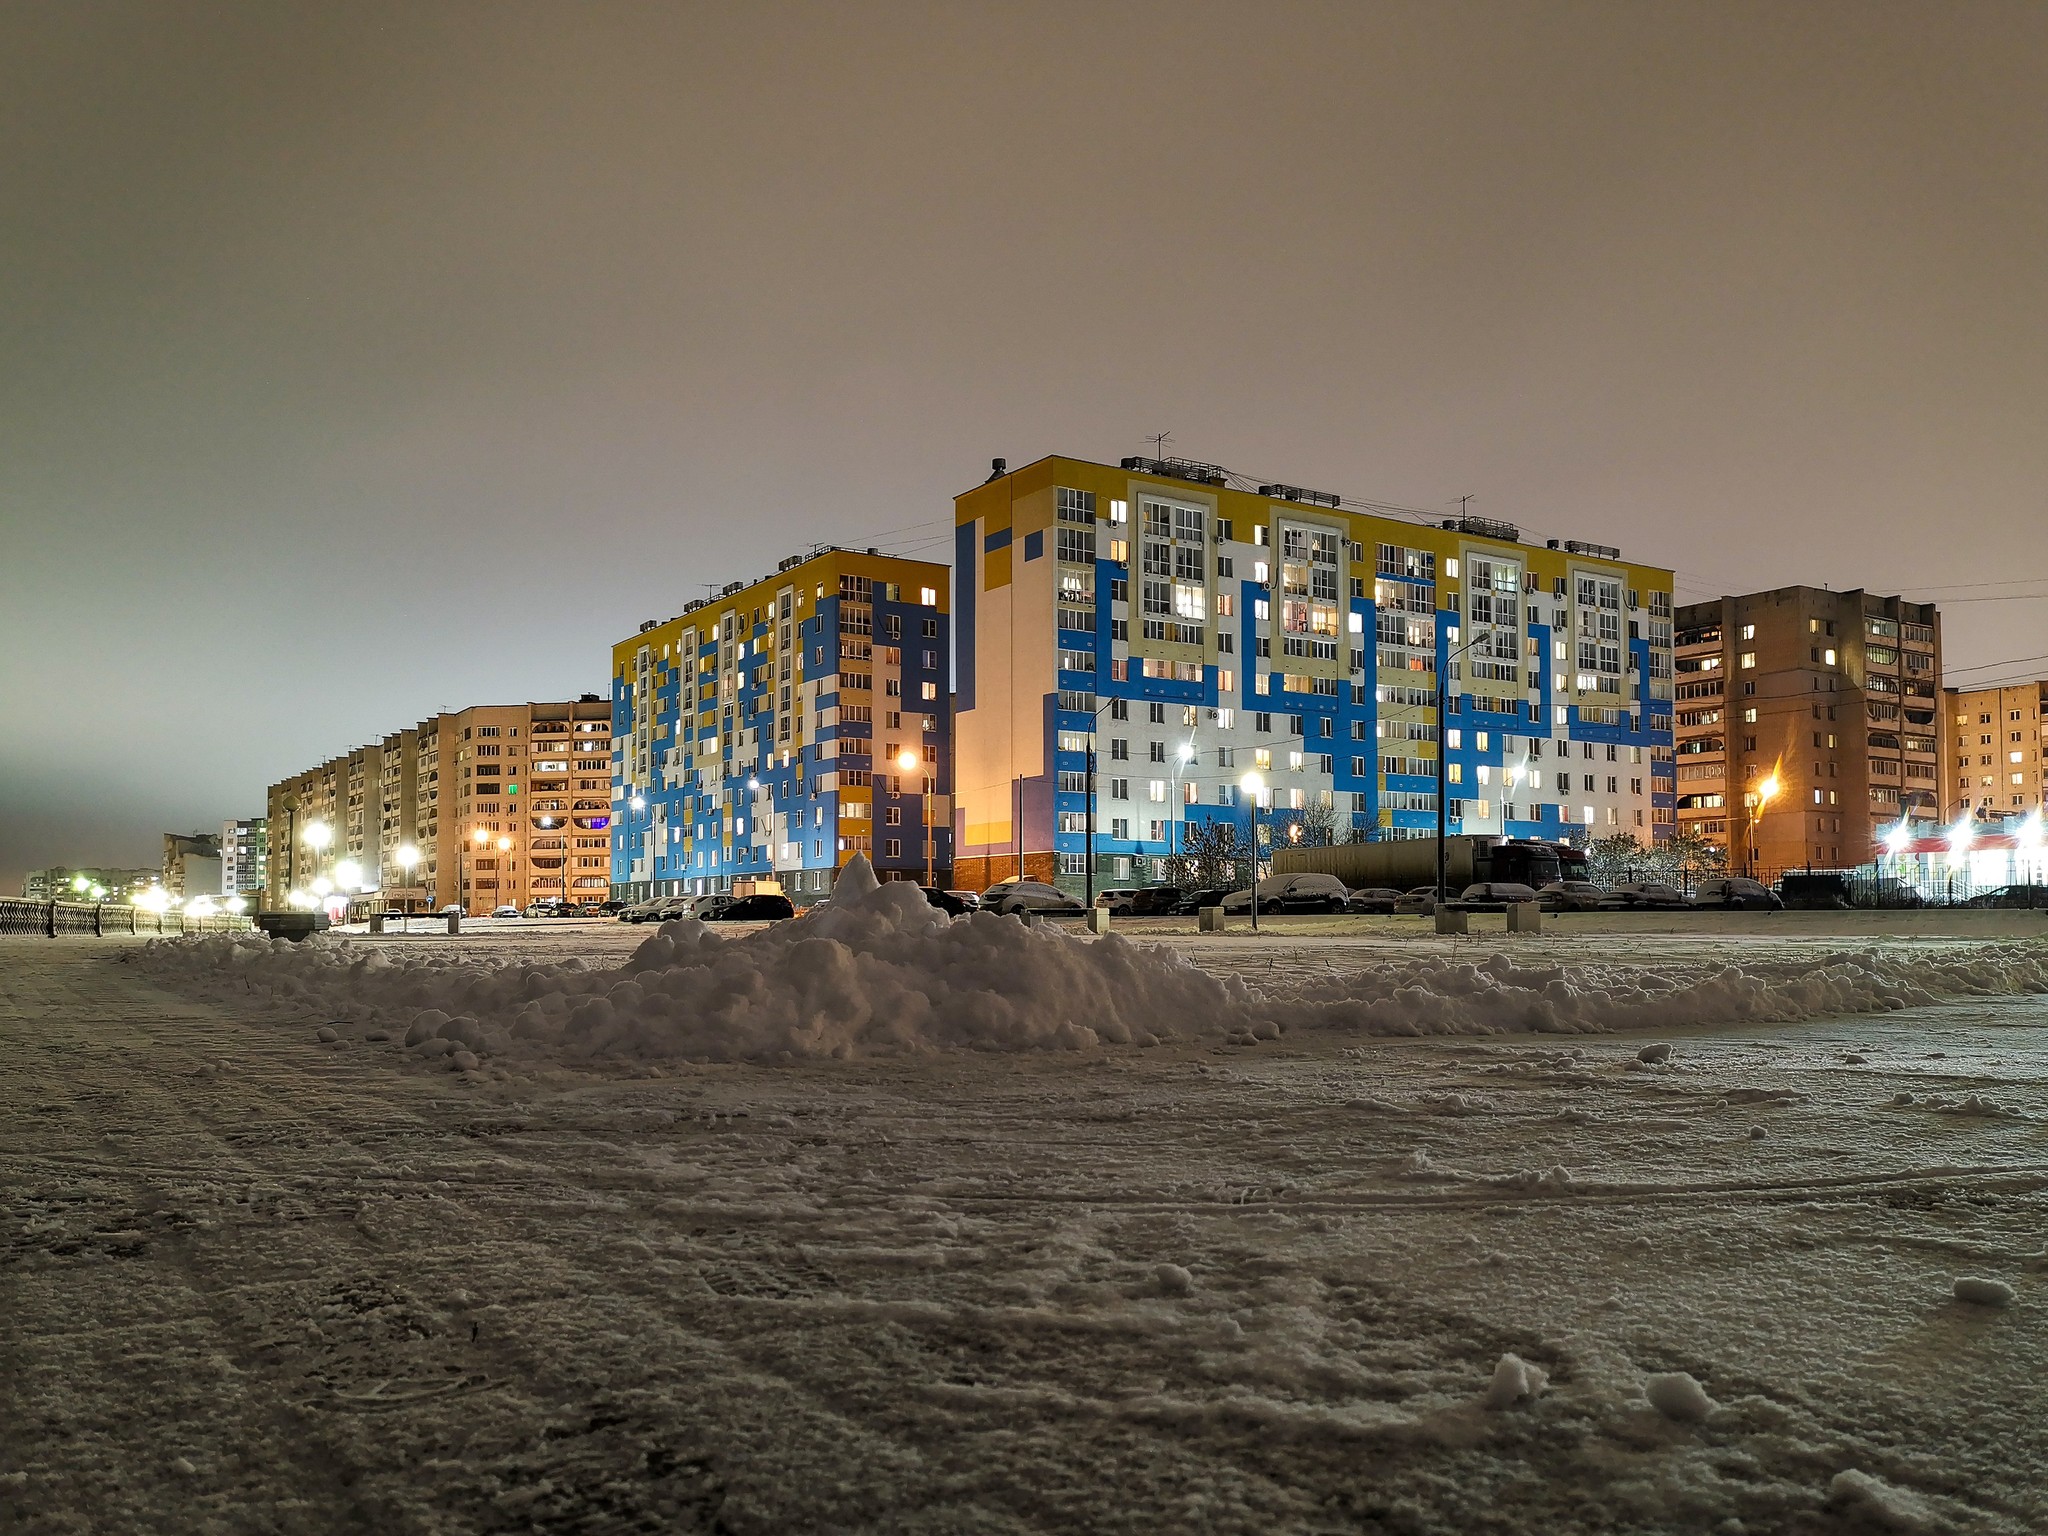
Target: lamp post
(1765, 792)
(479, 839)
(408, 858)
(1443, 772)
(1089, 828)
(1254, 785)
(317, 836)
(909, 762)
(1183, 755)
(754, 815)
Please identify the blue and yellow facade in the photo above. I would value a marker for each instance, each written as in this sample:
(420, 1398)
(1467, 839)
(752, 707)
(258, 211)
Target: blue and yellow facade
(760, 734)
(1194, 630)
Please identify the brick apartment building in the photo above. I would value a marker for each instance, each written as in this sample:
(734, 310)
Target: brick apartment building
(1806, 724)
(1991, 750)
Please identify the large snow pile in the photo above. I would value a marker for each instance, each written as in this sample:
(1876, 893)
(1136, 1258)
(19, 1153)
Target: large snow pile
(1435, 996)
(878, 971)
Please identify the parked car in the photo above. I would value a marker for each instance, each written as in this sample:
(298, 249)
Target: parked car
(2033, 896)
(1420, 900)
(1737, 893)
(1491, 896)
(1377, 900)
(1808, 891)
(1643, 895)
(1194, 901)
(1154, 901)
(508, 910)
(1117, 899)
(705, 909)
(1292, 893)
(607, 908)
(658, 909)
(1013, 897)
(1570, 895)
(766, 907)
(1146, 901)
(945, 901)
(971, 900)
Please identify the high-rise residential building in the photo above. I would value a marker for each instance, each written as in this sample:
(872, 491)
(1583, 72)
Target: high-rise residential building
(1806, 724)
(67, 882)
(1193, 629)
(1991, 750)
(496, 805)
(784, 726)
(192, 864)
(244, 849)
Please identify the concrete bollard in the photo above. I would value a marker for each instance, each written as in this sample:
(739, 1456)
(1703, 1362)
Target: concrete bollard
(1524, 917)
(1448, 921)
(1209, 920)
(455, 922)
(376, 922)
(1098, 919)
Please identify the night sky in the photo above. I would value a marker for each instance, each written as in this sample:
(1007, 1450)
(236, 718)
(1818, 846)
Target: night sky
(362, 361)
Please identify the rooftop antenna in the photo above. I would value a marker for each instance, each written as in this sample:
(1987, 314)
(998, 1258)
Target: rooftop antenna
(1464, 505)
(1159, 440)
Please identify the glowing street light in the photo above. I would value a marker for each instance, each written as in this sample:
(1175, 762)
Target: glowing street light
(1765, 792)
(1254, 785)
(318, 835)
(348, 875)
(909, 762)
(1960, 836)
(638, 802)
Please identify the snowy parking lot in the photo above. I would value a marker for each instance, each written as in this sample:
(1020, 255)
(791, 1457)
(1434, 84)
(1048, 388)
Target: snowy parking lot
(894, 1227)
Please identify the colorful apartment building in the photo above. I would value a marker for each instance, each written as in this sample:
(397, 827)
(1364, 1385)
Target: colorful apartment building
(1806, 725)
(1992, 750)
(784, 726)
(1193, 628)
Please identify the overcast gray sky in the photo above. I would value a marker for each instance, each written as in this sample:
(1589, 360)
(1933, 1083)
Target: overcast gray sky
(361, 360)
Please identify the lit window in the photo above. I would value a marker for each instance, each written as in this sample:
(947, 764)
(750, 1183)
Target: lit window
(1451, 567)
(929, 596)
(1749, 631)
(1828, 656)
(1748, 658)
(1749, 717)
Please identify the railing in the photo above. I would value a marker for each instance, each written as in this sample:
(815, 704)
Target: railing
(49, 919)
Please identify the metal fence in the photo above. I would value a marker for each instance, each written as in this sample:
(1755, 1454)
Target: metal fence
(49, 919)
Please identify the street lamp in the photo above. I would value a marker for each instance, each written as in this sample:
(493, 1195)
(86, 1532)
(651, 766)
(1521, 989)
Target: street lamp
(1765, 792)
(1443, 771)
(407, 858)
(1254, 785)
(909, 762)
(1182, 756)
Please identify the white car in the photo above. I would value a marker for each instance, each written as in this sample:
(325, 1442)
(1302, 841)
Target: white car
(1293, 893)
(1491, 896)
(1013, 897)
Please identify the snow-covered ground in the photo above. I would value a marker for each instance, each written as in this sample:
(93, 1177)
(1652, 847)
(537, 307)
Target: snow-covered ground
(1581, 1234)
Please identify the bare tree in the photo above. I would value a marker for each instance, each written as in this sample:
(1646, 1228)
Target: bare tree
(1318, 822)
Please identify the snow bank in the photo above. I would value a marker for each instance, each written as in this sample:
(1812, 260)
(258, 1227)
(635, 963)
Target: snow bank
(879, 971)
(1432, 996)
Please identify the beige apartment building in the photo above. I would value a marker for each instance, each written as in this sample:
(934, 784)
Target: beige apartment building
(1991, 749)
(1806, 724)
(496, 805)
